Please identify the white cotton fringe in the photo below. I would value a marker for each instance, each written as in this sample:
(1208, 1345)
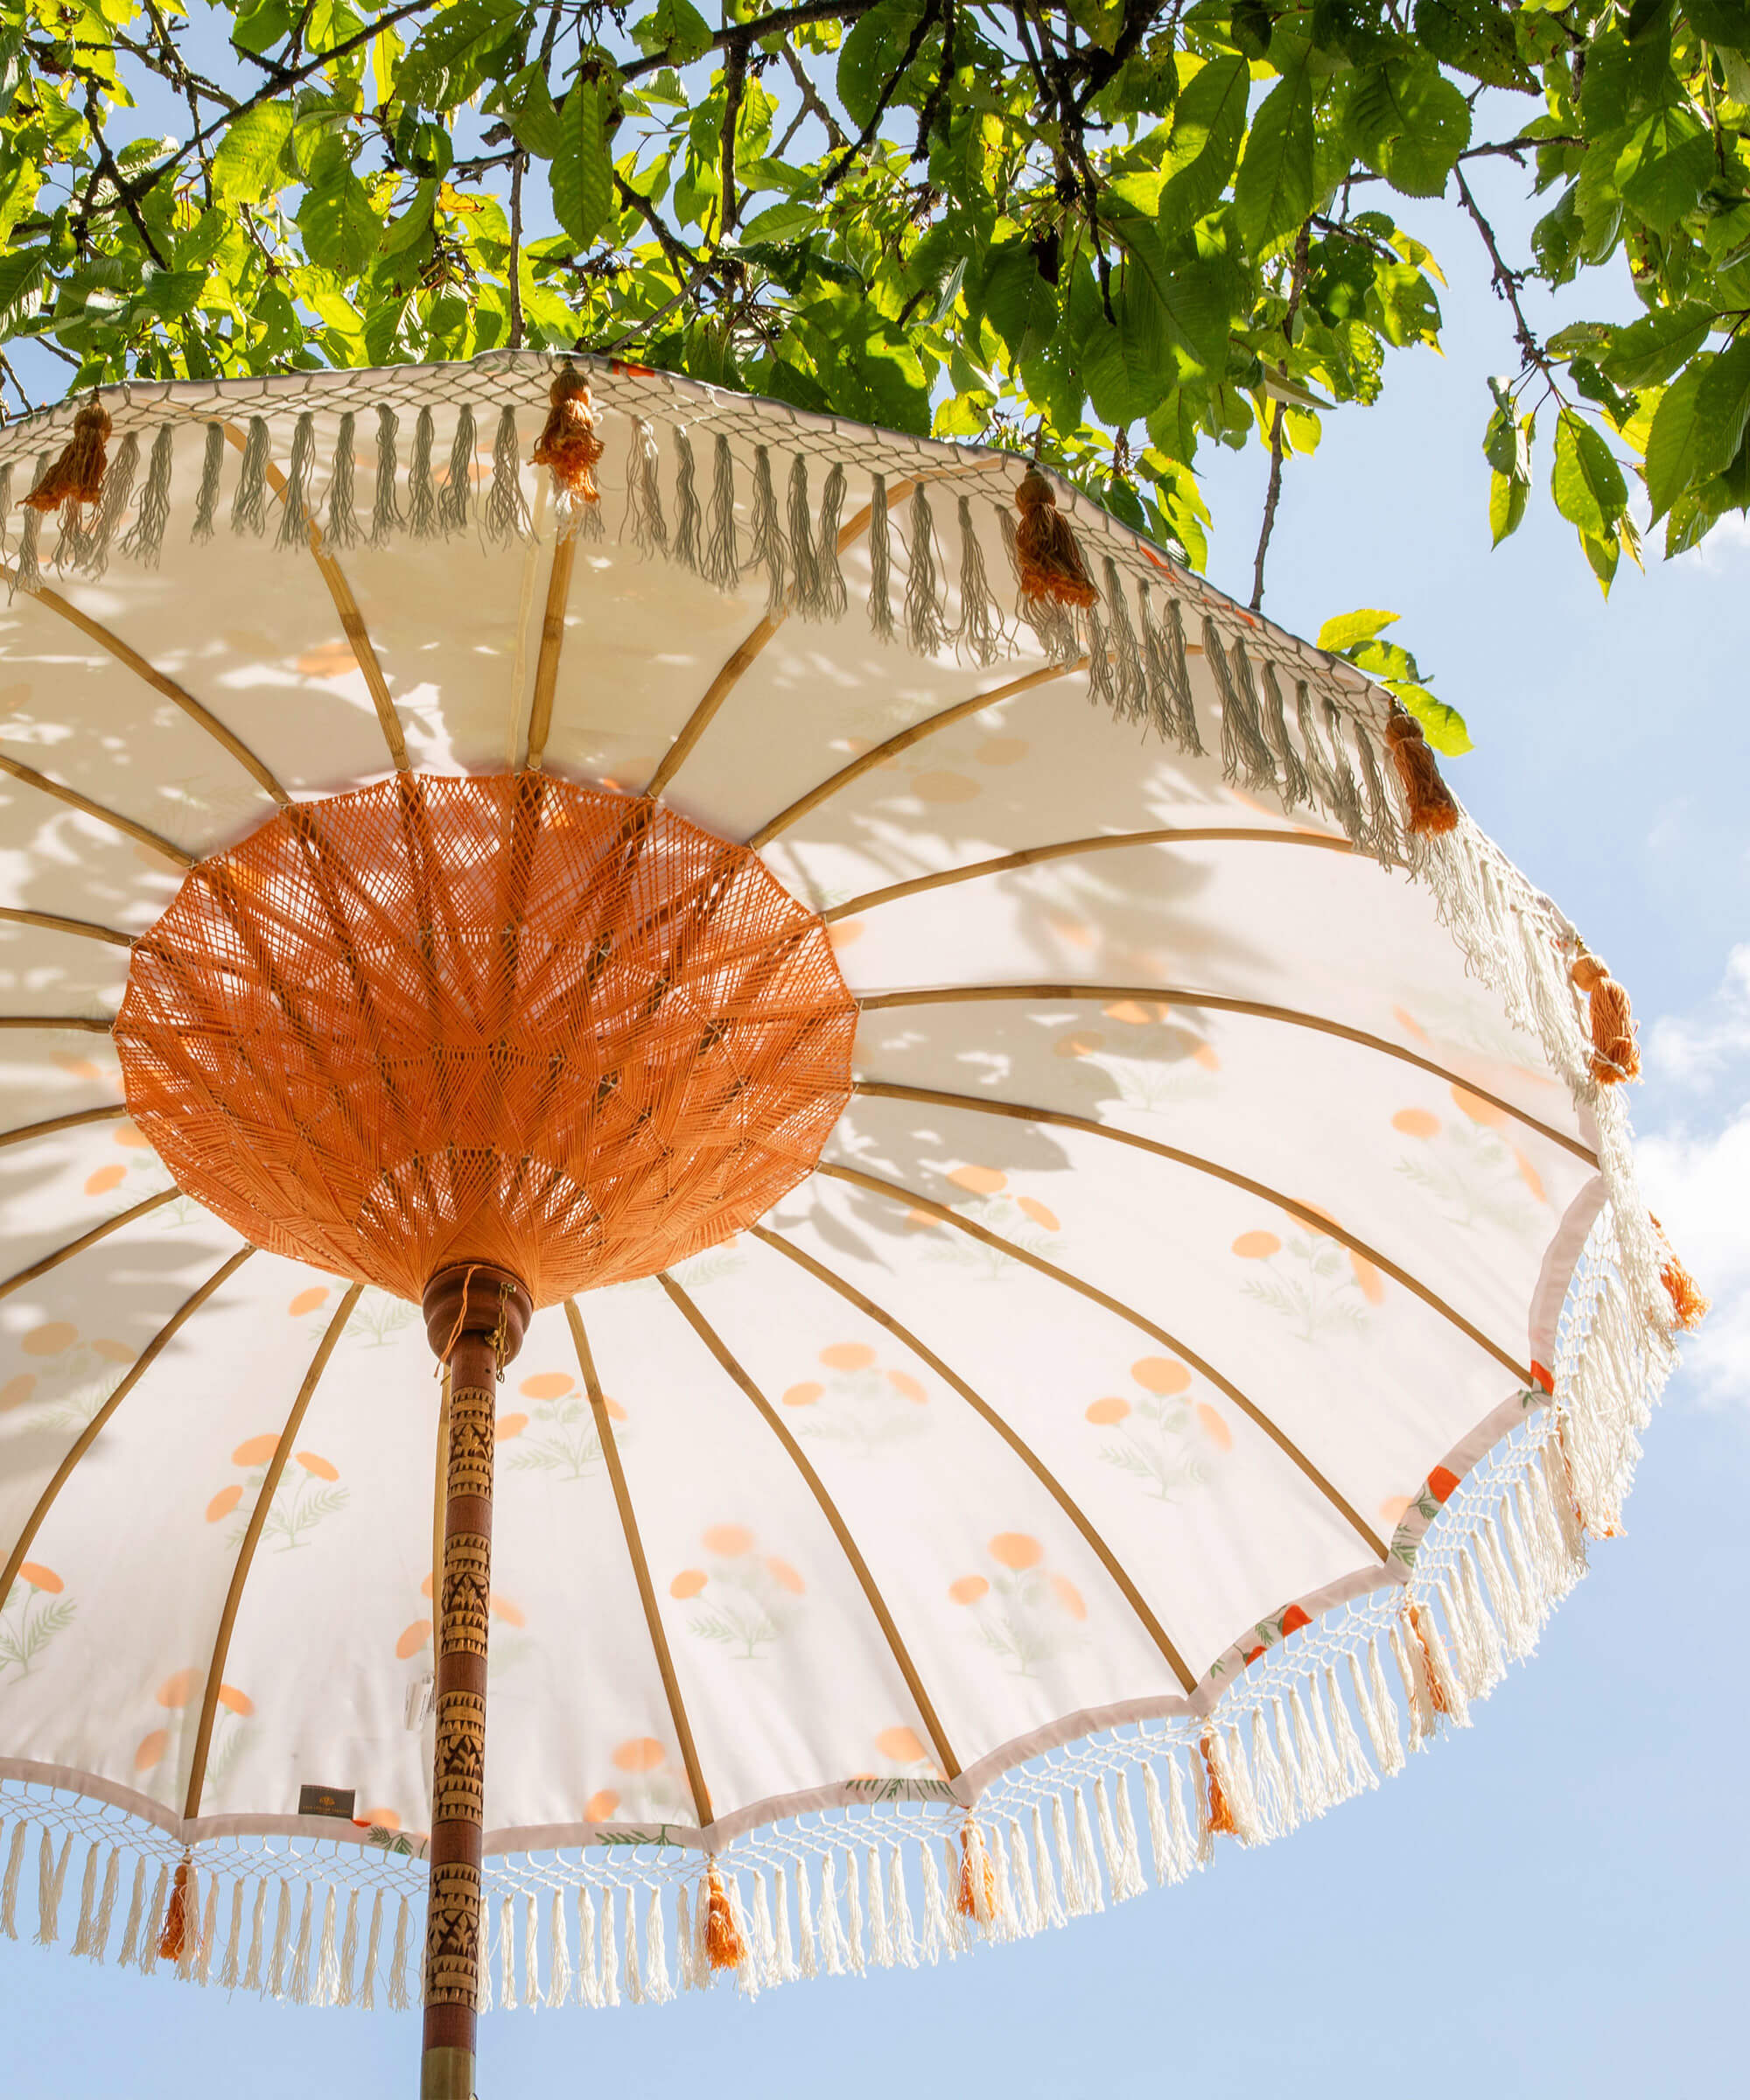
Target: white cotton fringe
(1310, 1726)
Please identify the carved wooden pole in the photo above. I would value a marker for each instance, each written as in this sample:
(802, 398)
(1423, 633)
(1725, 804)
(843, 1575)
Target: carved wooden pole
(474, 1319)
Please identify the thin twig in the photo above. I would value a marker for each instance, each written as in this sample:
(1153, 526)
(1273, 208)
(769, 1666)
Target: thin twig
(1297, 284)
(517, 167)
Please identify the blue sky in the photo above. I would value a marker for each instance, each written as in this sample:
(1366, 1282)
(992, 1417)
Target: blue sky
(1549, 1902)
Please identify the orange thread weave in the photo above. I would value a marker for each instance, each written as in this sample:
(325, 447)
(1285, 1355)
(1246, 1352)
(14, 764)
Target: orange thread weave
(504, 1020)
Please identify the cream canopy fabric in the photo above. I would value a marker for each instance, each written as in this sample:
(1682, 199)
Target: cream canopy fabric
(1209, 1328)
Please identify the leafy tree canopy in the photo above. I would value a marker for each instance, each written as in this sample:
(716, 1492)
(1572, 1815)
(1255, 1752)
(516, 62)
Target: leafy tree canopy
(1116, 230)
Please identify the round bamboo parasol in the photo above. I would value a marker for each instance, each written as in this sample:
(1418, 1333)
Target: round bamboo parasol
(762, 1095)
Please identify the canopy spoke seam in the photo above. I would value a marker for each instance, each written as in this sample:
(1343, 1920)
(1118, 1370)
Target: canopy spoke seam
(1103, 842)
(732, 1368)
(251, 1539)
(1011, 1436)
(130, 659)
(894, 1192)
(641, 1570)
(871, 1884)
(89, 1435)
(1304, 1213)
(1178, 994)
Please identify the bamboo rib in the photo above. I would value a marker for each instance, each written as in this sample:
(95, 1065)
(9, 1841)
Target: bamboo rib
(85, 1240)
(1253, 1413)
(1101, 842)
(26, 1131)
(70, 796)
(89, 1435)
(877, 1604)
(96, 631)
(52, 922)
(89, 1023)
(1011, 1437)
(552, 640)
(246, 1552)
(1174, 995)
(881, 753)
(352, 620)
(641, 1569)
(744, 654)
(881, 1090)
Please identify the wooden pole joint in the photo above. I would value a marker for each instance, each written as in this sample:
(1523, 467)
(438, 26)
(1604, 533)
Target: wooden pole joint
(475, 1318)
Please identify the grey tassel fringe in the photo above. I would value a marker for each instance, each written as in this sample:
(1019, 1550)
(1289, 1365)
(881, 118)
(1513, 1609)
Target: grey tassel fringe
(295, 518)
(688, 520)
(981, 631)
(507, 509)
(249, 505)
(386, 519)
(212, 467)
(341, 531)
(880, 562)
(723, 560)
(144, 540)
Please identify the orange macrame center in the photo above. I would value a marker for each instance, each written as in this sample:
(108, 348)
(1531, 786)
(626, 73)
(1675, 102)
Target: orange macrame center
(503, 1019)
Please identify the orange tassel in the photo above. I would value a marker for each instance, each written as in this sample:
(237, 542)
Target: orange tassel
(1614, 1055)
(1431, 808)
(1051, 561)
(1220, 1815)
(77, 476)
(967, 1902)
(723, 1942)
(1437, 1698)
(1687, 1302)
(174, 1937)
(568, 443)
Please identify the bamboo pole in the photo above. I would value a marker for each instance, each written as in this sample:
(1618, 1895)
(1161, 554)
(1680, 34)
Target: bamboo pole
(474, 1318)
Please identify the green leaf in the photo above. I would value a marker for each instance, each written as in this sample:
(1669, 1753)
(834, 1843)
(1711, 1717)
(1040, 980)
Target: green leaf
(452, 55)
(1409, 124)
(870, 53)
(246, 167)
(23, 275)
(1444, 727)
(1209, 122)
(529, 103)
(1664, 167)
(583, 168)
(674, 29)
(1698, 425)
(1603, 554)
(1273, 192)
(1647, 352)
(1474, 37)
(1022, 307)
(1349, 629)
(1508, 495)
(1725, 22)
(1586, 482)
(341, 230)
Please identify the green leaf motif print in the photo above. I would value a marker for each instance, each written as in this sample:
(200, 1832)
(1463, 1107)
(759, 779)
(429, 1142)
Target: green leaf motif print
(747, 1599)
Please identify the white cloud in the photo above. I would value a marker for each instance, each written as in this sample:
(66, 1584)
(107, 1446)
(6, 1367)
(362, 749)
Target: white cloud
(1696, 1173)
(1699, 1189)
(1697, 1048)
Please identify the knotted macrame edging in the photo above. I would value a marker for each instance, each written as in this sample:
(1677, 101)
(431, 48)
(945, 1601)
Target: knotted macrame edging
(421, 489)
(1521, 947)
(1317, 1720)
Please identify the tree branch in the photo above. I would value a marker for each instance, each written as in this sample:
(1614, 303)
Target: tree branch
(1297, 284)
(926, 23)
(516, 251)
(734, 80)
(1507, 283)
